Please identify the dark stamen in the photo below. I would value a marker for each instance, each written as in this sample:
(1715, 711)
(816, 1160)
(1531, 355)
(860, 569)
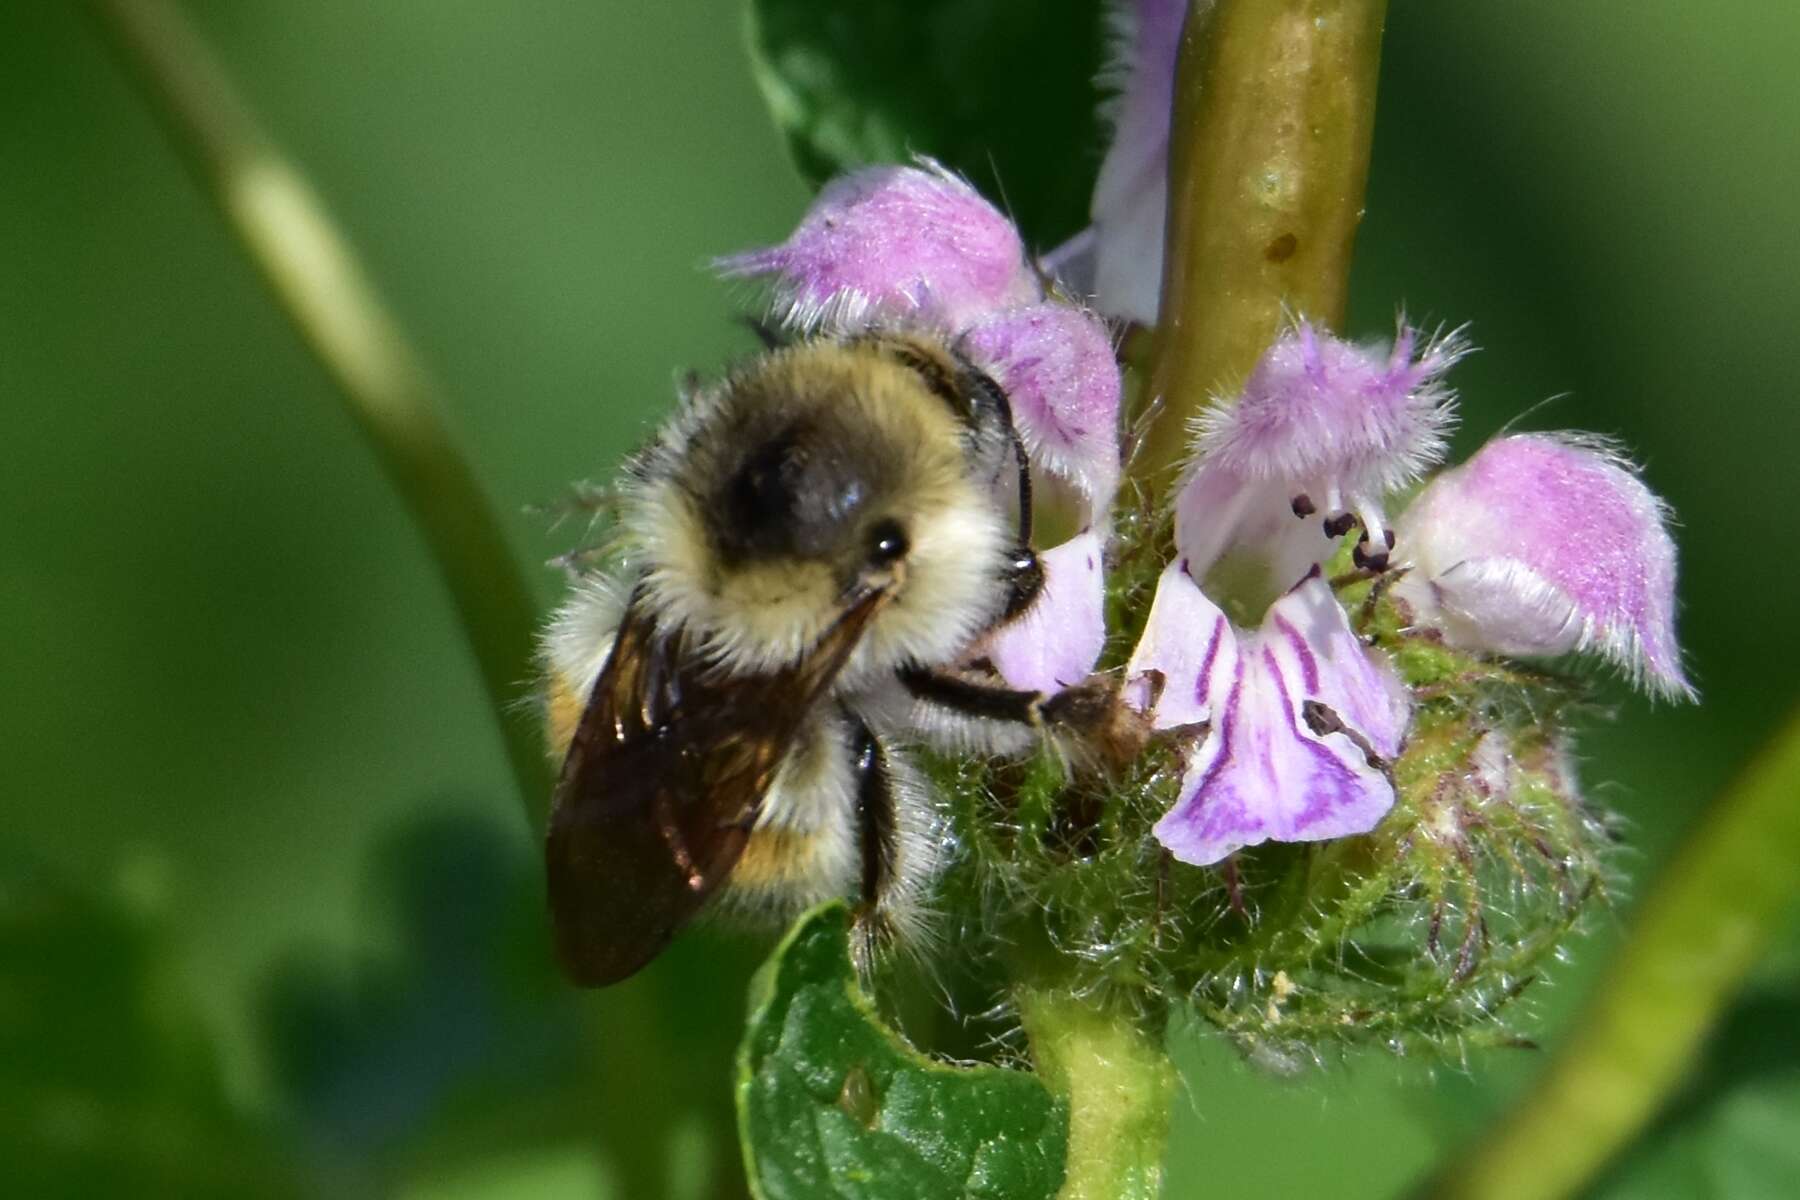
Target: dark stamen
(1339, 525)
(1303, 505)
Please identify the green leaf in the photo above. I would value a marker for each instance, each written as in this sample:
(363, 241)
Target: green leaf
(1001, 90)
(108, 1084)
(832, 1103)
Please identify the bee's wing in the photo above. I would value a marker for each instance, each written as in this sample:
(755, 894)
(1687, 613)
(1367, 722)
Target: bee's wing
(663, 780)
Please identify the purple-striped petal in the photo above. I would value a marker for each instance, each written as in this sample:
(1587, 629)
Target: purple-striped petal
(1056, 365)
(1303, 720)
(897, 243)
(1058, 639)
(1131, 193)
(1186, 642)
(1323, 430)
(1545, 544)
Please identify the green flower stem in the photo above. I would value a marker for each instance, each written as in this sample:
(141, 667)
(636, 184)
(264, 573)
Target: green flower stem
(1119, 1084)
(1268, 160)
(1706, 921)
(315, 277)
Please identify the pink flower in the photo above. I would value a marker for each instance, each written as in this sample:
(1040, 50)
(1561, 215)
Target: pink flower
(1059, 638)
(1323, 432)
(1131, 192)
(1546, 544)
(1302, 722)
(1056, 364)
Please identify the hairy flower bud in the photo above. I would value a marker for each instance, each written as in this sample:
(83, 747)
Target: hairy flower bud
(894, 242)
(1546, 544)
(1055, 362)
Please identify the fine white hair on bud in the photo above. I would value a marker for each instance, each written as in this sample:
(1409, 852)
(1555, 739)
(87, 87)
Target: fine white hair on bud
(1548, 544)
(1322, 432)
(1056, 364)
(896, 243)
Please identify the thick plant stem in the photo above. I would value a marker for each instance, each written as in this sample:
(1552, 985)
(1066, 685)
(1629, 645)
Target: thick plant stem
(1268, 160)
(305, 260)
(1119, 1084)
(1707, 920)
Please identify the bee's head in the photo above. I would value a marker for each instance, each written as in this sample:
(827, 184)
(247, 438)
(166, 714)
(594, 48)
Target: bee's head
(813, 477)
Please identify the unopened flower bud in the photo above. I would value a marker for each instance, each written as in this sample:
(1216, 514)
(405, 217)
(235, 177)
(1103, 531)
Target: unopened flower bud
(1055, 362)
(1547, 544)
(898, 243)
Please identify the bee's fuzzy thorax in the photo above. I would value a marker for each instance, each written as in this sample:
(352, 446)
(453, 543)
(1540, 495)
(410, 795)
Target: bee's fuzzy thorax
(914, 463)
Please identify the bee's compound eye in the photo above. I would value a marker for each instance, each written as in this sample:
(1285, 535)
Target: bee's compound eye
(887, 542)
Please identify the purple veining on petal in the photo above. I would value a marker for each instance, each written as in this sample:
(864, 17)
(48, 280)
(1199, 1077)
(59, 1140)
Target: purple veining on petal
(1193, 833)
(1355, 681)
(1056, 365)
(1309, 667)
(1336, 423)
(1544, 544)
(1183, 638)
(890, 241)
(1262, 773)
(1058, 639)
(1130, 195)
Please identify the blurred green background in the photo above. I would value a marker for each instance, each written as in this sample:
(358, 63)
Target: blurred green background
(235, 696)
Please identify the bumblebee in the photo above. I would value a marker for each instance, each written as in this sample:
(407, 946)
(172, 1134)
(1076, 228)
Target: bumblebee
(804, 555)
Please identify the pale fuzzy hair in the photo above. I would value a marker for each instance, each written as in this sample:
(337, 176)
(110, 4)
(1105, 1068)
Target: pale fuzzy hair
(763, 616)
(806, 847)
(579, 638)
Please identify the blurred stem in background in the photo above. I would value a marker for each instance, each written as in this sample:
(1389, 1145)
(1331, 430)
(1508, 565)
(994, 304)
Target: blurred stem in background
(286, 232)
(1709, 917)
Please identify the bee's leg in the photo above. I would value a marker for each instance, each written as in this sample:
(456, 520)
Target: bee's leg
(1077, 705)
(973, 699)
(1024, 580)
(1091, 710)
(875, 815)
(878, 836)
